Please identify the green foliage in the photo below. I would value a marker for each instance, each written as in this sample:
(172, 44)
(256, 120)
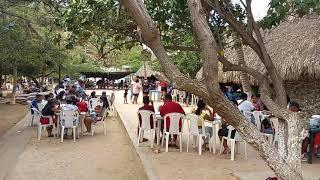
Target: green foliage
(130, 57)
(281, 9)
(188, 62)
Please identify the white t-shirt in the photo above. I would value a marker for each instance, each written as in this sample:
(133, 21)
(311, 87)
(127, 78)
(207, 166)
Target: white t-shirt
(136, 88)
(246, 107)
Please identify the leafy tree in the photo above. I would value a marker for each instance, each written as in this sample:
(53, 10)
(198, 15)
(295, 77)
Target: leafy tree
(286, 162)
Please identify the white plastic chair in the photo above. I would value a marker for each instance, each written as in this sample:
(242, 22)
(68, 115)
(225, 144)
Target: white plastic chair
(194, 131)
(93, 102)
(173, 129)
(174, 94)
(145, 125)
(68, 116)
(35, 113)
(258, 120)
(237, 139)
(111, 106)
(41, 126)
(102, 121)
(40, 106)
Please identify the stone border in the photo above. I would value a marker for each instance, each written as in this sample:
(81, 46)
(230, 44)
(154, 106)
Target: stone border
(148, 167)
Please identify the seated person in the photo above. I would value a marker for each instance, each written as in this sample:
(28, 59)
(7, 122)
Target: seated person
(82, 105)
(255, 103)
(171, 107)
(149, 107)
(104, 100)
(95, 115)
(202, 112)
(223, 132)
(48, 113)
(246, 107)
(266, 126)
(69, 106)
(35, 101)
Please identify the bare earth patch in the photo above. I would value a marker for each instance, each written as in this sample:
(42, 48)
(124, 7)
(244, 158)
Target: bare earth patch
(10, 115)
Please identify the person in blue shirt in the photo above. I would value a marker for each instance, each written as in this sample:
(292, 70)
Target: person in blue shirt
(35, 101)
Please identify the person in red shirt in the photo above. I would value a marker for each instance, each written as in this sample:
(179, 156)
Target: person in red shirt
(149, 107)
(163, 86)
(171, 107)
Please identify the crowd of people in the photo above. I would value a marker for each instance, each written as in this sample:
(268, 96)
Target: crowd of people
(204, 112)
(70, 95)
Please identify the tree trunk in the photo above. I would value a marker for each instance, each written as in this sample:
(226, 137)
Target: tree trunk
(42, 80)
(14, 89)
(244, 78)
(1, 83)
(208, 90)
(5, 82)
(294, 142)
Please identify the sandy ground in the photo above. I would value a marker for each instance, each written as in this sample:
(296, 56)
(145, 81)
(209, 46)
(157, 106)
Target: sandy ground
(189, 166)
(10, 115)
(90, 158)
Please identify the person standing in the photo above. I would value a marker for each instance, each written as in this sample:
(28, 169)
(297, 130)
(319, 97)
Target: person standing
(136, 91)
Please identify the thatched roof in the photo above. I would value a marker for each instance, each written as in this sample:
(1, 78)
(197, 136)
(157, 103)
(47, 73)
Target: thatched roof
(294, 47)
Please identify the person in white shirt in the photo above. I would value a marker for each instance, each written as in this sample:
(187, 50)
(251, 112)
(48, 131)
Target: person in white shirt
(136, 88)
(246, 107)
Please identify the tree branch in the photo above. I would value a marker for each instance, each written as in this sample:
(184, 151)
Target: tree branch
(151, 37)
(27, 21)
(250, 18)
(182, 48)
(206, 41)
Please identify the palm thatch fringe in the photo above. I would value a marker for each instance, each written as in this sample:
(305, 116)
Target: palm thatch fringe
(294, 47)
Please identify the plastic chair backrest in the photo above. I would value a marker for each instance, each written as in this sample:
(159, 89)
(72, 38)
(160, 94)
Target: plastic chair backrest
(174, 119)
(145, 119)
(193, 124)
(40, 106)
(93, 102)
(258, 118)
(104, 116)
(237, 137)
(275, 124)
(68, 116)
(36, 111)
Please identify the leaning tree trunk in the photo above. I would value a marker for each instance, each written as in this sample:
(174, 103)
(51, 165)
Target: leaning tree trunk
(244, 78)
(14, 89)
(208, 89)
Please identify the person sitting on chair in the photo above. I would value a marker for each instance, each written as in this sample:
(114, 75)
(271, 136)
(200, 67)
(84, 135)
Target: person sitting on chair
(95, 115)
(171, 107)
(149, 107)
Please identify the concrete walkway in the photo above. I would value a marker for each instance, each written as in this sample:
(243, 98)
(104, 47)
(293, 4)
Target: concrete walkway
(190, 166)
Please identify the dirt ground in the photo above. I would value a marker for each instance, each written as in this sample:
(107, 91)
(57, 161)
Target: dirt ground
(98, 157)
(10, 115)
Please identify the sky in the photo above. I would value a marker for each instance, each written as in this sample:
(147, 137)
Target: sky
(259, 8)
